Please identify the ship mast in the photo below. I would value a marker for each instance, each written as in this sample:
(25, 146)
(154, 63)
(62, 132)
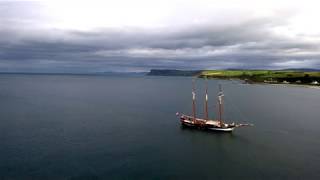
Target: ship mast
(193, 102)
(206, 102)
(220, 102)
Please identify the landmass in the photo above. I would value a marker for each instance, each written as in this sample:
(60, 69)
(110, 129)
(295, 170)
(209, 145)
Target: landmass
(173, 72)
(287, 76)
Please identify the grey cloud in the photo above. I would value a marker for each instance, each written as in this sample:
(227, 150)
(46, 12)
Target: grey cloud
(250, 44)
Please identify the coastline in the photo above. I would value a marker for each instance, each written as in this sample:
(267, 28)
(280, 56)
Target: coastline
(292, 85)
(278, 84)
(265, 83)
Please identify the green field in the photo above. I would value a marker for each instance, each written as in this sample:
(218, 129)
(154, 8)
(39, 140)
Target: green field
(269, 76)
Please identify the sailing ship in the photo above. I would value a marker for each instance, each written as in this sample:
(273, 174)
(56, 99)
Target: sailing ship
(206, 123)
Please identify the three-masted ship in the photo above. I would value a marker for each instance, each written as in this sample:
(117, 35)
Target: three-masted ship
(206, 123)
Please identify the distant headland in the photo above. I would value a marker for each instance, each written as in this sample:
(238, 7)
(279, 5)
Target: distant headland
(285, 76)
(173, 72)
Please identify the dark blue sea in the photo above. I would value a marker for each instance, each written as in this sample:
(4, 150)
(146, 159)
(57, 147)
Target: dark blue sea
(109, 127)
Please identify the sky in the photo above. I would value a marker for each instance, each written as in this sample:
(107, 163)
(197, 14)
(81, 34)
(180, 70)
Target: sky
(139, 35)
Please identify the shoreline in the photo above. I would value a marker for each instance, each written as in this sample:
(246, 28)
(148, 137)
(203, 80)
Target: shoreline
(292, 85)
(286, 85)
(264, 83)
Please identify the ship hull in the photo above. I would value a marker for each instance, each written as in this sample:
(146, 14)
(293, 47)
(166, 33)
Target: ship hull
(222, 129)
(188, 124)
(204, 126)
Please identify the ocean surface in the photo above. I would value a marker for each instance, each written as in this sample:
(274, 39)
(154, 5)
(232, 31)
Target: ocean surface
(108, 127)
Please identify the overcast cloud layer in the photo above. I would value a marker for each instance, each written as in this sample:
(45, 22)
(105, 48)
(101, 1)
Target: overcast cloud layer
(119, 35)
